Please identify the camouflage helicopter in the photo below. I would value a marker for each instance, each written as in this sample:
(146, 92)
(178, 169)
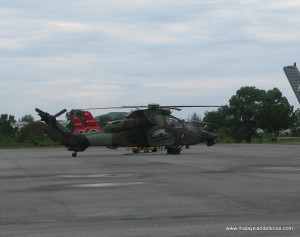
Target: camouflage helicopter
(151, 126)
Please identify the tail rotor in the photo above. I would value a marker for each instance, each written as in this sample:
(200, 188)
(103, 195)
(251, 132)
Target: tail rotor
(48, 118)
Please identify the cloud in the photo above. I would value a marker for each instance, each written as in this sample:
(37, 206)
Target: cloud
(108, 53)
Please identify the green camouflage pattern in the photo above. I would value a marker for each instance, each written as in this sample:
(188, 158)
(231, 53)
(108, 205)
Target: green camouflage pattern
(142, 128)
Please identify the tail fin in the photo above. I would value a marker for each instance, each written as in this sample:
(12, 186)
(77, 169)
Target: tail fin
(293, 75)
(78, 125)
(91, 123)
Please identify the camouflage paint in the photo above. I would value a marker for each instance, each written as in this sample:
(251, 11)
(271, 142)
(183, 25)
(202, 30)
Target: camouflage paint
(141, 128)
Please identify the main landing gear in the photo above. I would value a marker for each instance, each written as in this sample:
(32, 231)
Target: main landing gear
(174, 150)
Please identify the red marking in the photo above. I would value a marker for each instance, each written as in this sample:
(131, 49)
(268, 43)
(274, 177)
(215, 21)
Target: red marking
(91, 123)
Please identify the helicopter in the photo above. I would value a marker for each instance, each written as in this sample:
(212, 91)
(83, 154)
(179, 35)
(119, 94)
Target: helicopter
(151, 125)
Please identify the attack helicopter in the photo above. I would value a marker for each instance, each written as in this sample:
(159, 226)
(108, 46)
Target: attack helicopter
(151, 125)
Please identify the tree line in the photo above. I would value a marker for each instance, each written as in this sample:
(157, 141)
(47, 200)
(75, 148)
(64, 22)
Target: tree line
(31, 134)
(249, 112)
(252, 110)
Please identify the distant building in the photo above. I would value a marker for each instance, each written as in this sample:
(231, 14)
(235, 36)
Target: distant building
(19, 125)
(63, 122)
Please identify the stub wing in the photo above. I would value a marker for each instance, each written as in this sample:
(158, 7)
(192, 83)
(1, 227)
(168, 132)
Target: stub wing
(293, 75)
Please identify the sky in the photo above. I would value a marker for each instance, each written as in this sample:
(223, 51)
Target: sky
(101, 53)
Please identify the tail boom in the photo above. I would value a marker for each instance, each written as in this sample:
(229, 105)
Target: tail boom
(62, 135)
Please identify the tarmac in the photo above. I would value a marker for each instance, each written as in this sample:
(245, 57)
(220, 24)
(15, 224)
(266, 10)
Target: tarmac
(224, 190)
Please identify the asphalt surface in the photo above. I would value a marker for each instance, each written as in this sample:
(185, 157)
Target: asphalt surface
(224, 190)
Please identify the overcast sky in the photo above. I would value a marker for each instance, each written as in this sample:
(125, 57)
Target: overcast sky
(97, 53)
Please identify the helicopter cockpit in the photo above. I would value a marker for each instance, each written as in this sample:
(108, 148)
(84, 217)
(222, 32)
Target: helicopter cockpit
(175, 122)
(191, 127)
(180, 123)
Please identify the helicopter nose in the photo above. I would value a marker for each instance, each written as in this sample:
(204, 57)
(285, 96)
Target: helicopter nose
(210, 138)
(212, 141)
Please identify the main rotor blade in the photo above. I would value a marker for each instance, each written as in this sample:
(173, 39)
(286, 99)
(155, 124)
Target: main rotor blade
(175, 107)
(118, 107)
(190, 106)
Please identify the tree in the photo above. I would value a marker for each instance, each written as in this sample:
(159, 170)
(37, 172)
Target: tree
(5, 125)
(76, 112)
(216, 119)
(219, 122)
(251, 109)
(32, 133)
(7, 132)
(244, 110)
(196, 120)
(275, 113)
(296, 126)
(27, 118)
(104, 119)
(112, 116)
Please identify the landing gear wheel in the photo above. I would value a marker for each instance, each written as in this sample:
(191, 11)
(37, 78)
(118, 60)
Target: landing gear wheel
(175, 150)
(170, 150)
(74, 154)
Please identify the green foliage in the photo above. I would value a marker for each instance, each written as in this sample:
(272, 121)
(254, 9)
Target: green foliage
(276, 114)
(32, 133)
(216, 120)
(5, 141)
(295, 130)
(27, 118)
(249, 110)
(76, 112)
(244, 111)
(7, 133)
(104, 119)
(196, 120)
(5, 125)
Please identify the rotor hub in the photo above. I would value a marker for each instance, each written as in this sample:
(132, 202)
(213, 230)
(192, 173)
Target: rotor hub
(153, 106)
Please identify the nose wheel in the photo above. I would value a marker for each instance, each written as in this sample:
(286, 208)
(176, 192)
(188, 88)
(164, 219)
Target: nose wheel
(74, 154)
